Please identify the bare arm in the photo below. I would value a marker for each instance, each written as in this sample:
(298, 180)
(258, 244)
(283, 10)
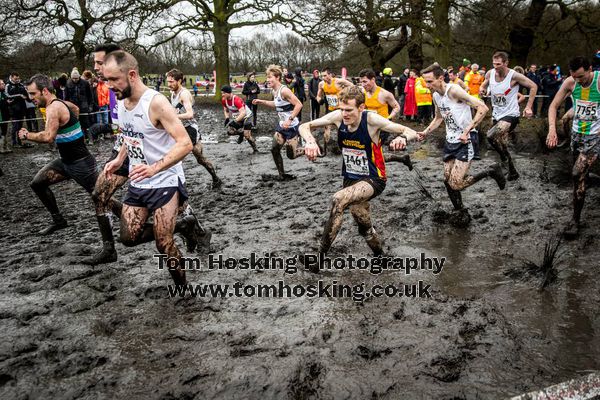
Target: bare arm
(163, 114)
(320, 92)
(333, 118)
(186, 100)
(378, 123)
(528, 83)
(437, 120)
(342, 83)
(478, 105)
(391, 101)
(565, 90)
(311, 149)
(291, 97)
(486, 82)
(268, 103)
(48, 135)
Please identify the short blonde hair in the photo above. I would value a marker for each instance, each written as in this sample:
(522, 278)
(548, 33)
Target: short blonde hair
(352, 93)
(276, 70)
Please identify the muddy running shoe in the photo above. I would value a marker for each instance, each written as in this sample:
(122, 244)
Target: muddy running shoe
(240, 138)
(571, 230)
(495, 172)
(108, 254)
(285, 177)
(58, 222)
(200, 237)
(187, 228)
(512, 176)
(217, 184)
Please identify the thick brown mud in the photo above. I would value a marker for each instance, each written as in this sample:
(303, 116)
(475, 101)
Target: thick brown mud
(111, 332)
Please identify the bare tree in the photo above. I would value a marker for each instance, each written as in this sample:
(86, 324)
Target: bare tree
(76, 26)
(219, 18)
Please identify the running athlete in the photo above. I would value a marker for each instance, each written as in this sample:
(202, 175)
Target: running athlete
(288, 108)
(105, 188)
(453, 107)
(62, 128)
(379, 100)
(181, 99)
(584, 87)
(155, 141)
(363, 165)
(330, 87)
(456, 80)
(503, 85)
(238, 117)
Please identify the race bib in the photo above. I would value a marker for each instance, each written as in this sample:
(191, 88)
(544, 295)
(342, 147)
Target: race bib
(332, 100)
(118, 142)
(499, 100)
(586, 110)
(135, 150)
(356, 161)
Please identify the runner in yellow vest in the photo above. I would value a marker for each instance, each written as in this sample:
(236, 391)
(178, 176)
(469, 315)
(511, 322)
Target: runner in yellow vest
(377, 99)
(330, 87)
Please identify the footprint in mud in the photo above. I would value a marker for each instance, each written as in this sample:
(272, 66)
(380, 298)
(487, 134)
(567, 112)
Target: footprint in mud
(158, 292)
(447, 368)
(371, 354)
(305, 382)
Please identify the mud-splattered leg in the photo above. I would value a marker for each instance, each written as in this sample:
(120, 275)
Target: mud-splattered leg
(361, 213)
(250, 139)
(198, 152)
(358, 193)
(46, 177)
(498, 139)
(580, 171)
(164, 225)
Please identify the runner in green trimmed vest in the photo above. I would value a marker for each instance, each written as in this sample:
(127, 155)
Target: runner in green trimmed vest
(583, 86)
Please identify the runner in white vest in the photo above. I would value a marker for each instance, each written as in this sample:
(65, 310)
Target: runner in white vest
(288, 108)
(156, 142)
(453, 106)
(504, 86)
(181, 99)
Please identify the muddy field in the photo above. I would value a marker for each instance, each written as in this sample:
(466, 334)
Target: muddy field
(112, 332)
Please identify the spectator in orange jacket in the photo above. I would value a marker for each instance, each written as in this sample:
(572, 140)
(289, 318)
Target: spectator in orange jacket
(474, 79)
(103, 101)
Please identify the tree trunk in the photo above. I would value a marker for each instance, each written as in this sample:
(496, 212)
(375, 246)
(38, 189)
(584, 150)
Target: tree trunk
(415, 48)
(523, 32)
(79, 47)
(221, 53)
(442, 38)
(415, 43)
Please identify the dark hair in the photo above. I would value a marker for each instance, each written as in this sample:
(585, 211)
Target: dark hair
(435, 68)
(326, 69)
(501, 55)
(41, 82)
(368, 72)
(226, 89)
(107, 48)
(124, 60)
(176, 74)
(250, 74)
(579, 62)
(14, 74)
